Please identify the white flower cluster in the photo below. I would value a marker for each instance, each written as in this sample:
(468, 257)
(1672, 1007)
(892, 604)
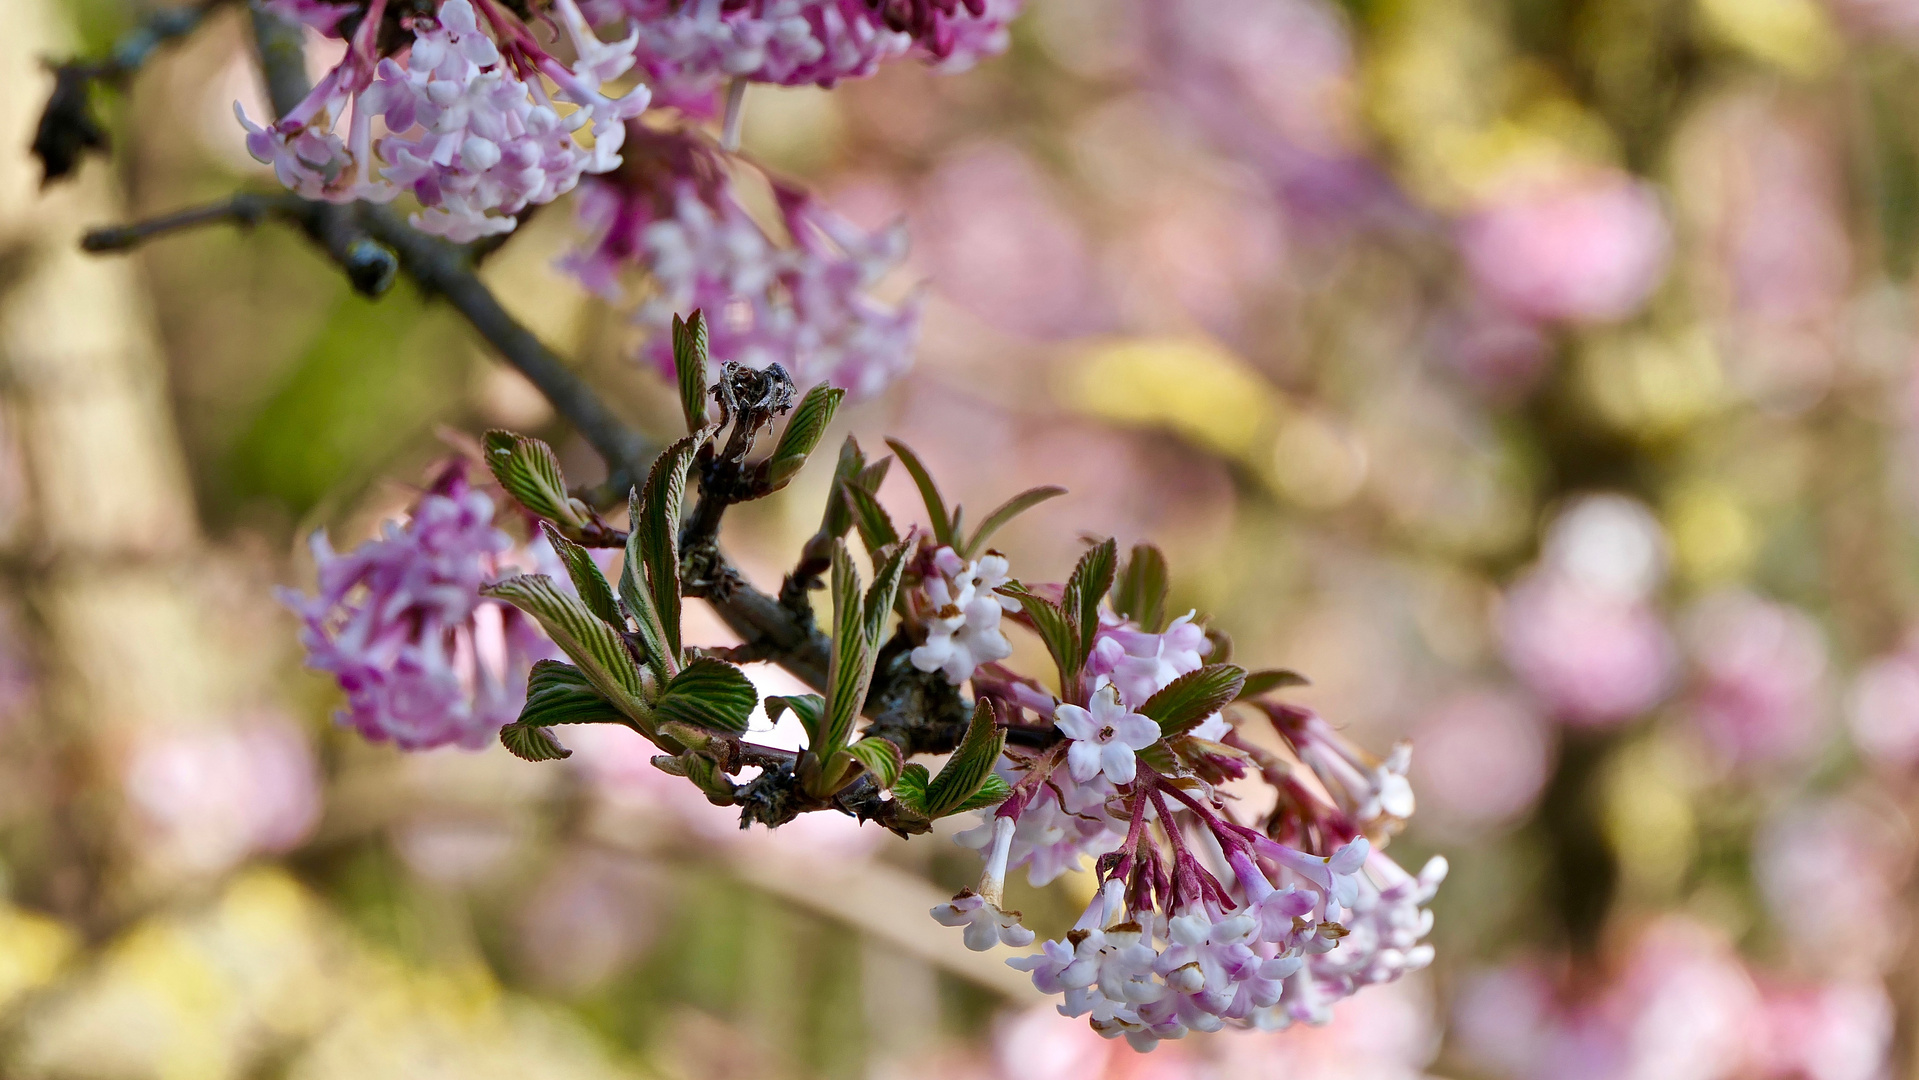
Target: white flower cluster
(963, 612)
(1202, 922)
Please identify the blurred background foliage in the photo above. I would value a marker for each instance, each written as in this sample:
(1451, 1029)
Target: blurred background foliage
(1535, 375)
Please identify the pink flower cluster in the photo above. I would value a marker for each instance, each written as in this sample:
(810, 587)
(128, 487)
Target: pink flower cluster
(1760, 689)
(425, 661)
(1219, 923)
(473, 133)
(688, 48)
(208, 796)
(961, 611)
(806, 305)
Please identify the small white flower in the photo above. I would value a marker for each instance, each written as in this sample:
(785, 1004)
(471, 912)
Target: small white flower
(1104, 738)
(987, 924)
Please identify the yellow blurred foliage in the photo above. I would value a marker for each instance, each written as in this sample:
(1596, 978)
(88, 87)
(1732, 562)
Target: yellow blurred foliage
(1194, 386)
(1648, 818)
(1713, 537)
(1653, 383)
(1794, 35)
(33, 950)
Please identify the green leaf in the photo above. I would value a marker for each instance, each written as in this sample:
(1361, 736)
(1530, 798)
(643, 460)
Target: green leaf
(709, 693)
(593, 645)
(558, 693)
(530, 472)
(876, 528)
(1055, 631)
(638, 596)
(802, 434)
(910, 788)
(993, 792)
(809, 708)
(1140, 592)
(880, 758)
(879, 598)
(689, 364)
(1194, 696)
(1084, 590)
(529, 742)
(846, 471)
(587, 579)
(929, 492)
(969, 767)
(850, 670)
(1262, 682)
(660, 505)
(1005, 513)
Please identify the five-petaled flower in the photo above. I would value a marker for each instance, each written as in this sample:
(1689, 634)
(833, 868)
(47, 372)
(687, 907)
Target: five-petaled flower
(1104, 737)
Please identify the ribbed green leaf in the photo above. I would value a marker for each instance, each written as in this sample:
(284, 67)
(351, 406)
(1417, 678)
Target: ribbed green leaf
(929, 492)
(689, 364)
(879, 598)
(1263, 682)
(1194, 696)
(587, 579)
(880, 758)
(594, 646)
(809, 708)
(993, 792)
(910, 788)
(1140, 592)
(530, 472)
(970, 766)
(638, 597)
(803, 432)
(660, 504)
(1084, 590)
(851, 668)
(558, 693)
(709, 693)
(1055, 631)
(839, 510)
(529, 742)
(1005, 513)
(875, 526)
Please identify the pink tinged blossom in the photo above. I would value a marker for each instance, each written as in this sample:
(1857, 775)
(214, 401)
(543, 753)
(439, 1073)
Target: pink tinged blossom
(807, 305)
(424, 660)
(472, 132)
(1836, 862)
(1585, 248)
(1104, 738)
(1484, 756)
(963, 615)
(987, 923)
(1050, 839)
(1140, 664)
(1761, 677)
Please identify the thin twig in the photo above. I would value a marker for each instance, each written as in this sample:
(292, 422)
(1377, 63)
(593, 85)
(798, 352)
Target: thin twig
(246, 209)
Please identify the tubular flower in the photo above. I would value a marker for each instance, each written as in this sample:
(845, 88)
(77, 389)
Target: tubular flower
(425, 661)
(1202, 921)
(962, 615)
(806, 305)
(473, 133)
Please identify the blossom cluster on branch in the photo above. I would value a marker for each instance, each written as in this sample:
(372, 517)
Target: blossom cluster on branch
(1203, 917)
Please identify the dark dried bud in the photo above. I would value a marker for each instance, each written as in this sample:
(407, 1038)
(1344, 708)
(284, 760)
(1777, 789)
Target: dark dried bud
(371, 266)
(68, 128)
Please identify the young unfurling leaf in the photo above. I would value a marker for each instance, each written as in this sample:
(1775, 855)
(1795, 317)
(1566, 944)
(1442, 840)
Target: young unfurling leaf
(590, 643)
(1056, 631)
(1265, 682)
(880, 758)
(709, 693)
(1005, 513)
(1091, 579)
(1139, 593)
(803, 431)
(529, 470)
(689, 364)
(529, 742)
(944, 523)
(965, 774)
(588, 581)
(1194, 696)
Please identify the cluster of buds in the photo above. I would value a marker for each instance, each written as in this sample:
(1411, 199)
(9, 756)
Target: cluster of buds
(424, 659)
(806, 304)
(471, 129)
(1201, 919)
